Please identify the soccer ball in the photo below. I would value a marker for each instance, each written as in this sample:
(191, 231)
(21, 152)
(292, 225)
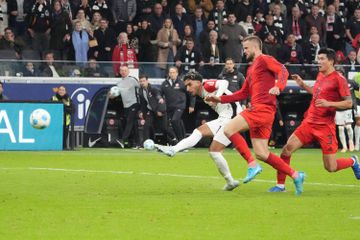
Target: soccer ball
(149, 144)
(114, 91)
(40, 118)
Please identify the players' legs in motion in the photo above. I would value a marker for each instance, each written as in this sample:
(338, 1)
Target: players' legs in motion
(350, 134)
(342, 138)
(215, 152)
(290, 147)
(357, 132)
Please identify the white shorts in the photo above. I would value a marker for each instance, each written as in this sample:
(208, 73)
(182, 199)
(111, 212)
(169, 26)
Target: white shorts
(357, 112)
(343, 117)
(217, 128)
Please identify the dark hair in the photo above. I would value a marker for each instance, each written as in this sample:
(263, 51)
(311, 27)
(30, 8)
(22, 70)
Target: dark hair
(229, 59)
(255, 39)
(193, 75)
(330, 53)
(143, 76)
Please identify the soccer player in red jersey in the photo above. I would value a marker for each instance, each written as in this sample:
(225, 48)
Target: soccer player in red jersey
(330, 92)
(261, 87)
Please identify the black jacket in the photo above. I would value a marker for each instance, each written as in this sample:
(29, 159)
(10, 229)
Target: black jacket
(175, 95)
(236, 79)
(153, 96)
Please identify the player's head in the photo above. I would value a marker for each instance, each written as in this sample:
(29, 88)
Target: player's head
(143, 80)
(193, 82)
(326, 59)
(252, 47)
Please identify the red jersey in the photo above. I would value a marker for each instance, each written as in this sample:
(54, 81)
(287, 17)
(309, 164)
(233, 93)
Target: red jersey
(332, 87)
(260, 78)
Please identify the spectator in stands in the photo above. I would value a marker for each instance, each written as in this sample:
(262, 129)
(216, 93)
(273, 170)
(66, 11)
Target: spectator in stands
(261, 6)
(61, 27)
(311, 49)
(213, 54)
(85, 6)
(146, 49)
(352, 28)
(340, 58)
(10, 42)
(204, 35)
(206, 6)
(167, 40)
(80, 44)
(153, 111)
(48, 68)
(3, 17)
(93, 69)
(248, 25)
(106, 39)
(198, 22)
(157, 18)
(133, 39)
(341, 10)
(95, 22)
(335, 30)
(188, 57)
(231, 36)
(66, 7)
(322, 7)
(291, 53)
(174, 92)
(296, 25)
(271, 36)
(30, 70)
(40, 26)
(243, 9)
(258, 21)
(314, 19)
(279, 19)
(231, 74)
(144, 9)
(103, 8)
(2, 96)
(124, 11)
(302, 5)
(123, 54)
(188, 33)
(80, 16)
(219, 15)
(280, 3)
(180, 19)
(166, 8)
(18, 11)
(351, 62)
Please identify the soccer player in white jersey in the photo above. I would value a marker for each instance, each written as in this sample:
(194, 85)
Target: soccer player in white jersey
(215, 128)
(343, 120)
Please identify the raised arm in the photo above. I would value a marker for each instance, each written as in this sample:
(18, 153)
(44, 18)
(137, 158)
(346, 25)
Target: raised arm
(301, 83)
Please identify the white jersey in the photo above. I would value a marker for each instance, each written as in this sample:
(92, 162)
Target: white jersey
(218, 88)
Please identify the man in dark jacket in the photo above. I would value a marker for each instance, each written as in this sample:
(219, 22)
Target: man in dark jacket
(2, 96)
(153, 111)
(174, 91)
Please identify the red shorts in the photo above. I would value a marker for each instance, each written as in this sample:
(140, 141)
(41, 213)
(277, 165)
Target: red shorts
(260, 120)
(324, 134)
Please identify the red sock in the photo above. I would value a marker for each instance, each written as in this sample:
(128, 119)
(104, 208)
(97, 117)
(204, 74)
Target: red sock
(242, 147)
(280, 165)
(281, 177)
(343, 163)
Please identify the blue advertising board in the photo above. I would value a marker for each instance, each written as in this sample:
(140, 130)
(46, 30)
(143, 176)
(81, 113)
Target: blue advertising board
(16, 132)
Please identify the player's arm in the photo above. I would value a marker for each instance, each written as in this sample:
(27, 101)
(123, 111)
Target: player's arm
(242, 94)
(346, 103)
(221, 87)
(281, 72)
(301, 83)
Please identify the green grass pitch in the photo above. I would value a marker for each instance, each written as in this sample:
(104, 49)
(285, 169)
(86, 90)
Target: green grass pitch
(137, 194)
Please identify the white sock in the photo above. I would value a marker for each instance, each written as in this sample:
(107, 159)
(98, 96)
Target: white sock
(357, 135)
(281, 185)
(222, 166)
(188, 142)
(342, 137)
(350, 132)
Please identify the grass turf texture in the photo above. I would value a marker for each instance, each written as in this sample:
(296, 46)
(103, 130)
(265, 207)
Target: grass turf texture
(136, 194)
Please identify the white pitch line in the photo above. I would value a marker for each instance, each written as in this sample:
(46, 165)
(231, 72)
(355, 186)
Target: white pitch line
(168, 175)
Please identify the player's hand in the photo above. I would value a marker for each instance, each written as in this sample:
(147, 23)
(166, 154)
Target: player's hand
(214, 99)
(298, 79)
(274, 91)
(110, 96)
(322, 103)
(191, 109)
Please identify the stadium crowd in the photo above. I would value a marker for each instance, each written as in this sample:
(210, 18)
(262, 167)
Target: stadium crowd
(195, 34)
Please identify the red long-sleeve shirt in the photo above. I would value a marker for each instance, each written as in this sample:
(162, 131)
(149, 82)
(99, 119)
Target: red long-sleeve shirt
(260, 78)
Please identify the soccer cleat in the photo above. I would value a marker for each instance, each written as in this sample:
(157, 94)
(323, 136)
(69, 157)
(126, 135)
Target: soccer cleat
(277, 189)
(299, 182)
(167, 150)
(252, 172)
(231, 186)
(356, 166)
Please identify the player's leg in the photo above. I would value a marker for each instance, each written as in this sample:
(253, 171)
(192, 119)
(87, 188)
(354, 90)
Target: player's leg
(216, 148)
(232, 130)
(292, 144)
(342, 137)
(349, 130)
(262, 153)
